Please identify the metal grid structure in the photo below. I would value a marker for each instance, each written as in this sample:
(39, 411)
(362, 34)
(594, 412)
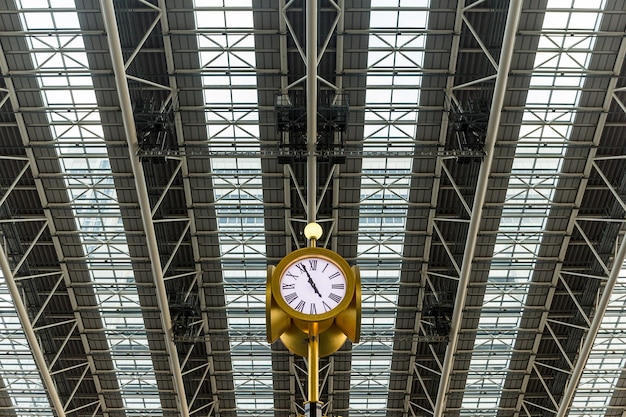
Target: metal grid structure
(472, 164)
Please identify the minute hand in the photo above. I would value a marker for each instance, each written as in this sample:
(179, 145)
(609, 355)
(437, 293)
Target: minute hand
(311, 281)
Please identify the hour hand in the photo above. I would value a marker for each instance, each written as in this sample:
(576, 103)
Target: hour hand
(311, 281)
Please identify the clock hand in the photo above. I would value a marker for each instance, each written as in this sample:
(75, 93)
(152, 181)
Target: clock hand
(311, 281)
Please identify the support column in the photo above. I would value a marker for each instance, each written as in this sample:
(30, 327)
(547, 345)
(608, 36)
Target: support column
(311, 109)
(313, 407)
(110, 21)
(506, 56)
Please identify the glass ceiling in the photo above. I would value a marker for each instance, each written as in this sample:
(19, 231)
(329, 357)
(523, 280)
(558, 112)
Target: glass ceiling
(224, 30)
(607, 359)
(230, 94)
(391, 82)
(75, 127)
(19, 371)
(532, 185)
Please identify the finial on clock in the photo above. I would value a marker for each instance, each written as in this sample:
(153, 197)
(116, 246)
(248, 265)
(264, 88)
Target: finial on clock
(313, 231)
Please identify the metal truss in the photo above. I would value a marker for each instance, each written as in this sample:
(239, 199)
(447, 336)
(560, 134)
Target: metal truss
(591, 322)
(560, 406)
(436, 403)
(211, 370)
(348, 153)
(552, 325)
(305, 200)
(119, 66)
(187, 387)
(286, 29)
(18, 274)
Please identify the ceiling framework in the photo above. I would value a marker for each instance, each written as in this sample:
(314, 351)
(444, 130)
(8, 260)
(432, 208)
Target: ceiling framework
(152, 166)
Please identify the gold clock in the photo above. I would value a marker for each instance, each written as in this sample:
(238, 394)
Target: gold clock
(313, 284)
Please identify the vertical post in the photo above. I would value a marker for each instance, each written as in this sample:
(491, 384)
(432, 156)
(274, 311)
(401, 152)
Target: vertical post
(119, 70)
(504, 65)
(311, 108)
(313, 408)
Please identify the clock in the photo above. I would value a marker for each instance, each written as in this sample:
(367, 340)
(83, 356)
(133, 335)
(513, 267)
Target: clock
(313, 284)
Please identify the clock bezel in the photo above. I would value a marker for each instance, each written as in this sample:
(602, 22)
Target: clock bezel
(306, 253)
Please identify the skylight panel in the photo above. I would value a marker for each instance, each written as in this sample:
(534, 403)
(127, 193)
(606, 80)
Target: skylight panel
(390, 122)
(20, 375)
(607, 358)
(529, 197)
(232, 123)
(93, 197)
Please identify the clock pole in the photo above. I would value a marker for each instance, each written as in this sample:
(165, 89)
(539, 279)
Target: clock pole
(311, 105)
(312, 231)
(313, 408)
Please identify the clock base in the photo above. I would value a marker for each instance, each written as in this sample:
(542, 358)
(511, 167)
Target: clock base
(330, 341)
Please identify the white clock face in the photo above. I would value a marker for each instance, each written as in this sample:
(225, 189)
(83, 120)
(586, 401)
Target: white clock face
(313, 285)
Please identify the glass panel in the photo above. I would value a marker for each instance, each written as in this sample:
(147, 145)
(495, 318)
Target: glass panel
(529, 196)
(230, 99)
(20, 375)
(89, 179)
(384, 193)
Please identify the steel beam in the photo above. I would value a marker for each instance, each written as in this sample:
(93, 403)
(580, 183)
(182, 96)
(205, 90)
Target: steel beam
(113, 38)
(311, 109)
(573, 221)
(33, 342)
(332, 229)
(508, 43)
(414, 365)
(587, 346)
(39, 187)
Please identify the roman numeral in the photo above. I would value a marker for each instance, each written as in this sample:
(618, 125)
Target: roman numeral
(325, 266)
(312, 309)
(326, 306)
(301, 267)
(333, 276)
(313, 264)
(334, 297)
(289, 286)
(290, 297)
(338, 286)
(300, 306)
(289, 274)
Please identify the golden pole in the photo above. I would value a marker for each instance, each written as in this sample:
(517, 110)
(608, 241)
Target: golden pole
(313, 407)
(314, 362)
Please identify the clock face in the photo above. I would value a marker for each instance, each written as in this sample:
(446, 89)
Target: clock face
(313, 285)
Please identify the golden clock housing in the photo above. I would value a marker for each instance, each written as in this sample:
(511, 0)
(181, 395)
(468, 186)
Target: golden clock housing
(313, 285)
